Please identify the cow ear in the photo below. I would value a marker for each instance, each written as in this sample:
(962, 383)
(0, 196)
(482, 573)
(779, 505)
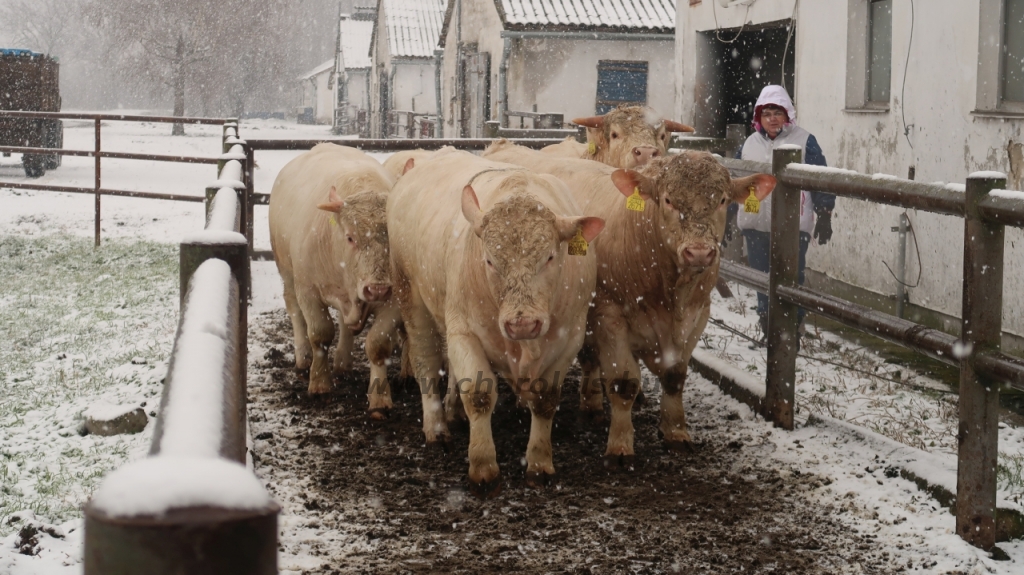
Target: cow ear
(408, 166)
(589, 226)
(596, 122)
(762, 184)
(471, 209)
(334, 202)
(673, 126)
(628, 181)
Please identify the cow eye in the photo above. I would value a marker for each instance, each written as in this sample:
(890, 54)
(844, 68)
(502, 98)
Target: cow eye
(551, 257)
(614, 135)
(350, 240)
(668, 201)
(722, 203)
(489, 263)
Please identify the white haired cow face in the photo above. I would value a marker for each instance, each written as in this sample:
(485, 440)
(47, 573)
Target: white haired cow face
(629, 136)
(690, 193)
(523, 245)
(360, 225)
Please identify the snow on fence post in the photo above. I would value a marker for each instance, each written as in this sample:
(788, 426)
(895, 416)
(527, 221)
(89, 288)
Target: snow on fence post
(192, 506)
(979, 394)
(783, 270)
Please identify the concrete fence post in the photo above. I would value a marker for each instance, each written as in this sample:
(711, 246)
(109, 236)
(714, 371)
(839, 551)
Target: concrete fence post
(978, 436)
(780, 381)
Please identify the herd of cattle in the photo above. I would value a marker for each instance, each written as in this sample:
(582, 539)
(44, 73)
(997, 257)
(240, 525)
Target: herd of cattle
(506, 267)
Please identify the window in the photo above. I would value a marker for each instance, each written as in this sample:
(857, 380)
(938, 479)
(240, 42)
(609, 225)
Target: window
(620, 82)
(868, 55)
(1013, 51)
(1000, 89)
(880, 51)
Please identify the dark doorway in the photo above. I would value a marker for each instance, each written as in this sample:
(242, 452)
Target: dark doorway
(730, 75)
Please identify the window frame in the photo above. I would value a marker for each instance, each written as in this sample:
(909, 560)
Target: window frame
(858, 55)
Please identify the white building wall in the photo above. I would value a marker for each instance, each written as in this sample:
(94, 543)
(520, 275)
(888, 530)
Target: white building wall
(325, 97)
(414, 86)
(946, 140)
(560, 76)
(480, 26)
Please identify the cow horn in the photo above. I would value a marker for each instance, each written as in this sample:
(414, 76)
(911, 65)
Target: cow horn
(590, 122)
(673, 126)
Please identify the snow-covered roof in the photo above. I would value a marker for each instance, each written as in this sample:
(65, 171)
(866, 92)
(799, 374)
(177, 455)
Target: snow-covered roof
(326, 66)
(632, 15)
(413, 26)
(355, 42)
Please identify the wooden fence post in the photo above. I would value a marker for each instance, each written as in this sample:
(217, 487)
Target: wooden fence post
(978, 436)
(784, 259)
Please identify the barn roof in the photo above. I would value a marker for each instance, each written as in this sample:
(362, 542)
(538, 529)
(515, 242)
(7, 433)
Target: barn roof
(413, 26)
(589, 15)
(326, 66)
(355, 42)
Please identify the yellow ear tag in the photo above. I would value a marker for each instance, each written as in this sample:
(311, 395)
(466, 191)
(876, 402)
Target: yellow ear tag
(334, 222)
(752, 205)
(591, 148)
(578, 245)
(635, 202)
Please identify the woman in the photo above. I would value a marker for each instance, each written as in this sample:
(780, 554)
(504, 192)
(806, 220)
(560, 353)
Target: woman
(775, 125)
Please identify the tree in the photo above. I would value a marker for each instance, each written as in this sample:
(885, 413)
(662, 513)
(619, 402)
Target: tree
(42, 25)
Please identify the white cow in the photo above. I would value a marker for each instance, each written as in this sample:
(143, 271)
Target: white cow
(480, 261)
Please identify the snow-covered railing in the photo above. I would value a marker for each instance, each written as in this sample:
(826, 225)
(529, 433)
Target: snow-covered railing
(984, 369)
(193, 506)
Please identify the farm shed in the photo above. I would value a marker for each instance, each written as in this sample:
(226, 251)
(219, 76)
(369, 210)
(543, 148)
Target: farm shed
(402, 81)
(353, 65)
(317, 100)
(958, 108)
(576, 58)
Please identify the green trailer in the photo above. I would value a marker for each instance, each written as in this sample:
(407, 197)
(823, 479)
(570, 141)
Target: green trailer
(30, 82)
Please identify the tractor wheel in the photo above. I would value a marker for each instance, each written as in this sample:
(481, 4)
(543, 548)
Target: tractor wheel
(35, 166)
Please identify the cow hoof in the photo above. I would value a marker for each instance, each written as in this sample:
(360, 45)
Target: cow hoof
(438, 446)
(539, 479)
(641, 399)
(379, 413)
(615, 462)
(319, 389)
(593, 417)
(679, 446)
(486, 489)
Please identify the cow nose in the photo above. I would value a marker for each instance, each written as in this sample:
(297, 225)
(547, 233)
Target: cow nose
(523, 328)
(699, 254)
(376, 292)
(643, 154)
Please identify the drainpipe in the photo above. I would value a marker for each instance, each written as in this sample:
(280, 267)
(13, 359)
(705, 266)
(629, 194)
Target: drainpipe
(391, 97)
(439, 133)
(503, 82)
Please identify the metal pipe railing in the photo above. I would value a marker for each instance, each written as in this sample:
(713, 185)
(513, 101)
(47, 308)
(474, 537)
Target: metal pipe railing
(983, 367)
(396, 144)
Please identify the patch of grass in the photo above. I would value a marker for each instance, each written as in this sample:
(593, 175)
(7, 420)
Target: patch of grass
(73, 319)
(1010, 475)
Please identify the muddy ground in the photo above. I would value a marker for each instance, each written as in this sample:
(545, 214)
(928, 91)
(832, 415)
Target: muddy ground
(373, 499)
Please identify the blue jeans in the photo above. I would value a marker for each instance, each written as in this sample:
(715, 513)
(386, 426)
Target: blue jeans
(758, 246)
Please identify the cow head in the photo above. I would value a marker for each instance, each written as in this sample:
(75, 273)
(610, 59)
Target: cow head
(360, 232)
(629, 136)
(690, 192)
(523, 246)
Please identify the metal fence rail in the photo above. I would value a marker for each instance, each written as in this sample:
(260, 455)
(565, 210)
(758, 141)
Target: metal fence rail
(984, 369)
(212, 516)
(97, 189)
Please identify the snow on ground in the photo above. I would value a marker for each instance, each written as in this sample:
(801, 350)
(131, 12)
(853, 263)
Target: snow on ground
(92, 327)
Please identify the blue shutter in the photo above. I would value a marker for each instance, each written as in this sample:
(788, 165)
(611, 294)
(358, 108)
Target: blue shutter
(620, 82)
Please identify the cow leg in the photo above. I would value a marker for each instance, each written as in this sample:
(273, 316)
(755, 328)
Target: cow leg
(539, 465)
(621, 374)
(303, 353)
(591, 391)
(343, 352)
(673, 428)
(477, 388)
(454, 412)
(381, 340)
(320, 330)
(425, 351)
